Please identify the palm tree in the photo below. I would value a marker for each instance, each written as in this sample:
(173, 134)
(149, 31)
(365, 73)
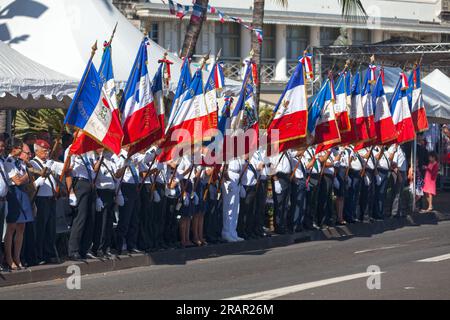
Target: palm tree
(350, 10)
(193, 30)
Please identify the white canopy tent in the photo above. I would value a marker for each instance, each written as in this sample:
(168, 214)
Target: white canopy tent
(60, 33)
(28, 84)
(437, 102)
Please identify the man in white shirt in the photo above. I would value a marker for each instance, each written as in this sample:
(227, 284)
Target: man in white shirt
(250, 175)
(107, 184)
(281, 170)
(354, 176)
(399, 167)
(384, 160)
(45, 202)
(83, 169)
(231, 201)
(298, 190)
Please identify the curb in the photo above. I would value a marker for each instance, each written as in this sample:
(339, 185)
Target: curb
(180, 257)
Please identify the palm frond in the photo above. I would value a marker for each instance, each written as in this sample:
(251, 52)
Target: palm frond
(352, 9)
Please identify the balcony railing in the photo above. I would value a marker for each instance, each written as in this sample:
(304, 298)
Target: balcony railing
(232, 70)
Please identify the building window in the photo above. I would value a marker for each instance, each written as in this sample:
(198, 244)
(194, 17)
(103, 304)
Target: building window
(361, 36)
(328, 36)
(445, 38)
(297, 40)
(153, 33)
(268, 48)
(228, 38)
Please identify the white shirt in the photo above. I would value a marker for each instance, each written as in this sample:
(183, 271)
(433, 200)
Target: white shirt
(300, 169)
(356, 160)
(383, 163)
(370, 162)
(132, 172)
(185, 170)
(80, 170)
(281, 163)
(46, 190)
(309, 156)
(399, 158)
(250, 176)
(106, 179)
(13, 167)
(330, 161)
(260, 157)
(3, 184)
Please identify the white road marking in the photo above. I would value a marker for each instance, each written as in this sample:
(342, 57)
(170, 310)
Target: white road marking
(436, 259)
(381, 248)
(275, 293)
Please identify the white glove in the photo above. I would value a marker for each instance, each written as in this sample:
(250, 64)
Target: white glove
(242, 192)
(277, 187)
(39, 182)
(366, 180)
(49, 164)
(99, 205)
(120, 201)
(378, 180)
(73, 200)
(171, 193)
(156, 197)
(196, 199)
(336, 183)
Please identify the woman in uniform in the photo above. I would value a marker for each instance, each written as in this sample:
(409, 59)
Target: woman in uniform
(19, 206)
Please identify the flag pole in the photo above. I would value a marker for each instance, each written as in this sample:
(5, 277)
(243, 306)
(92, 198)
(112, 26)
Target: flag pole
(83, 81)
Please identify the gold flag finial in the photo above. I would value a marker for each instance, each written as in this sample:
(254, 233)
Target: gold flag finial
(94, 49)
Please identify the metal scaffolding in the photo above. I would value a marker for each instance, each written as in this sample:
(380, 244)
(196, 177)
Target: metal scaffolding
(433, 55)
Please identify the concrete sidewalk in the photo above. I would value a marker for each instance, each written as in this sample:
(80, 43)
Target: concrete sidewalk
(182, 256)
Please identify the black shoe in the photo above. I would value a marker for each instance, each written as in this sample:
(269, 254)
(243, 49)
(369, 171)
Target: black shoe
(135, 251)
(91, 255)
(75, 257)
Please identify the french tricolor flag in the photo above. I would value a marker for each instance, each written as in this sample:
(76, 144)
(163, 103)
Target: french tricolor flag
(158, 94)
(291, 113)
(341, 107)
(219, 76)
(244, 119)
(94, 109)
(183, 86)
(401, 115)
(139, 117)
(193, 116)
(359, 132)
(386, 131)
(417, 106)
(306, 60)
(367, 102)
(322, 125)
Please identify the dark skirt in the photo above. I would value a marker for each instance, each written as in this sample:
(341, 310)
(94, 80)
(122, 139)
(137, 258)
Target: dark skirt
(187, 211)
(19, 206)
(201, 206)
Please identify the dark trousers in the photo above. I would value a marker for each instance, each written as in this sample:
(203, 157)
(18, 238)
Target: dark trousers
(45, 228)
(380, 195)
(146, 218)
(81, 234)
(246, 220)
(324, 200)
(352, 196)
(298, 198)
(104, 222)
(2, 222)
(261, 203)
(367, 197)
(171, 224)
(280, 202)
(397, 190)
(159, 217)
(213, 216)
(128, 225)
(29, 253)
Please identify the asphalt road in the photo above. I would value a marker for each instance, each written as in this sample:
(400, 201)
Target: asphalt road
(314, 270)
